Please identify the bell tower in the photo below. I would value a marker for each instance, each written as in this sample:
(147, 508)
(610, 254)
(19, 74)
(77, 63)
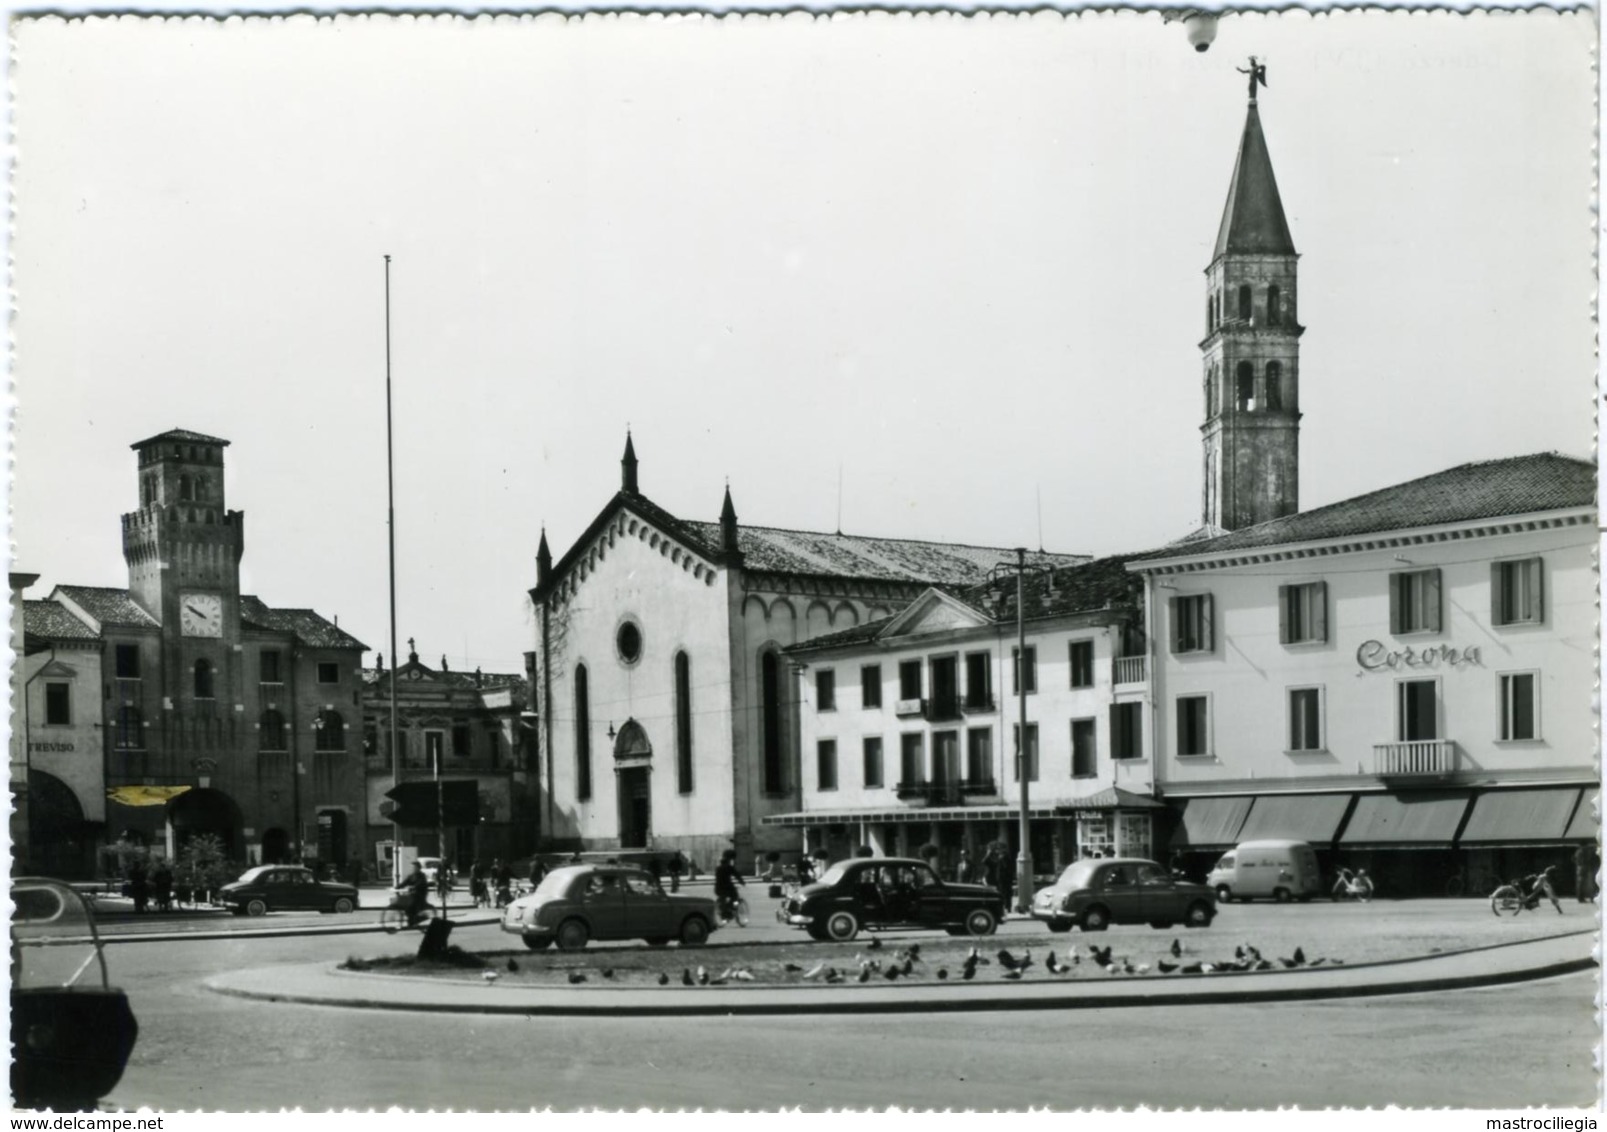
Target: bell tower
(1252, 346)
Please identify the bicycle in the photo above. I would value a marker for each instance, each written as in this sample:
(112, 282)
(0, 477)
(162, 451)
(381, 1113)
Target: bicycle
(1358, 887)
(395, 917)
(728, 909)
(1523, 895)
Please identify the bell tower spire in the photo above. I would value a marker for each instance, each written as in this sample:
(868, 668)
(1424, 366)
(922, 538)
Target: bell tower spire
(627, 466)
(1251, 349)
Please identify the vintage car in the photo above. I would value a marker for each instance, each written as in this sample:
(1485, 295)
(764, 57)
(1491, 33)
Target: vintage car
(883, 893)
(579, 903)
(285, 888)
(1096, 892)
(71, 1030)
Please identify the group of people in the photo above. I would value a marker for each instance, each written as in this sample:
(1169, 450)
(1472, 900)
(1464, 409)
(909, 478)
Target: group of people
(156, 884)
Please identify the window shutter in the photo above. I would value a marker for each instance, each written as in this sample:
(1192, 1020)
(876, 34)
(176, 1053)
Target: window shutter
(1431, 600)
(1498, 613)
(1538, 591)
(1319, 611)
(1207, 623)
(1172, 607)
(1395, 581)
(1283, 614)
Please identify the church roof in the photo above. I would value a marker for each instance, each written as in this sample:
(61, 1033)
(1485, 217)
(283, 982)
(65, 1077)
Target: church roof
(481, 682)
(181, 435)
(109, 606)
(1253, 219)
(1486, 489)
(817, 554)
(52, 621)
(307, 626)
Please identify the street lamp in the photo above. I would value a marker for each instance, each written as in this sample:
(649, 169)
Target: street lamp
(1021, 568)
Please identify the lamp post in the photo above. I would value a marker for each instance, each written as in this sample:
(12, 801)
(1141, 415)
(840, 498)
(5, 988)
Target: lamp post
(1021, 568)
(440, 829)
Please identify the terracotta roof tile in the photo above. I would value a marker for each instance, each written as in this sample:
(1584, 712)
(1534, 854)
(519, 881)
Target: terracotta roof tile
(306, 625)
(108, 606)
(52, 621)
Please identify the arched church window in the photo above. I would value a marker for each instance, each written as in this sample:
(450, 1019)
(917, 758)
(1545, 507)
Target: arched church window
(1246, 303)
(1274, 306)
(1246, 386)
(203, 679)
(271, 731)
(582, 735)
(1274, 386)
(683, 722)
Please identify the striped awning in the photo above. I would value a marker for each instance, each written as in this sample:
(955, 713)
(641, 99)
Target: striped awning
(912, 814)
(1585, 826)
(1304, 817)
(1428, 817)
(1211, 823)
(1520, 817)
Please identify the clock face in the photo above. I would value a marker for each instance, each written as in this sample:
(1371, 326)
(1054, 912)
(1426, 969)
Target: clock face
(201, 615)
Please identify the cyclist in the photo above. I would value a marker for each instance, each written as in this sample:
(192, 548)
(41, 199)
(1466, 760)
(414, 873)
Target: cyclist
(417, 890)
(726, 879)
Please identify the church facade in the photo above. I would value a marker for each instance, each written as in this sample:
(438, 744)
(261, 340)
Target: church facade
(667, 707)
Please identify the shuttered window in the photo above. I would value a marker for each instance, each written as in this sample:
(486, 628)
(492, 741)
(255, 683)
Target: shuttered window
(1516, 596)
(1303, 613)
(1414, 602)
(1192, 630)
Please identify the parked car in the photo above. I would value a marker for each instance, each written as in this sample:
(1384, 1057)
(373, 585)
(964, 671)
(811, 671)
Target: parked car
(285, 888)
(71, 1030)
(432, 868)
(578, 903)
(1096, 892)
(883, 893)
(1282, 870)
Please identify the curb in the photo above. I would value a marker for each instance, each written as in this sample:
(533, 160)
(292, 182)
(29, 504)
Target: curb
(1553, 955)
(367, 927)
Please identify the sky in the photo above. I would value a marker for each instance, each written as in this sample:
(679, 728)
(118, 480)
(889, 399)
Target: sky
(910, 276)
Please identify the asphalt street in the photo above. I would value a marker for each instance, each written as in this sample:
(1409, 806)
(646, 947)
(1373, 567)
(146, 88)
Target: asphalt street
(1517, 1046)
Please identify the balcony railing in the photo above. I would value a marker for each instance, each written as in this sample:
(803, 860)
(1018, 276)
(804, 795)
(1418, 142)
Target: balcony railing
(979, 703)
(1130, 669)
(1428, 756)
(979, 788)
(943, 710)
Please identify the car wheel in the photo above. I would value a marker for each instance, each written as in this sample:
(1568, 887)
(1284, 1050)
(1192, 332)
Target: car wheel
(657, 940)
(1199, 915)
(1095, 919)
(256, 906)
(344, 905)
(572, 935)
(1282, 895)
(537, 942)
(694, 932)
(1224, 894)
(980, 921)
(842, 926)
(1060, 925)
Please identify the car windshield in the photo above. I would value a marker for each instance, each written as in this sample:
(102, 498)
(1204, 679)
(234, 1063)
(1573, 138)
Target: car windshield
(555, 883)
(835, 874)
(53, 941)
(1078, 874)
(255, 874)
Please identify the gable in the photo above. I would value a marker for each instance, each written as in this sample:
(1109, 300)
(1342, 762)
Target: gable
(934, 612)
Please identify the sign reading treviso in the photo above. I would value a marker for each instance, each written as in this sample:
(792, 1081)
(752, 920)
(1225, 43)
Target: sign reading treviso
(1376, 656)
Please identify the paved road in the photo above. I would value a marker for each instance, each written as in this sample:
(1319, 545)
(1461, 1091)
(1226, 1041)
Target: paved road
(1520, 1046)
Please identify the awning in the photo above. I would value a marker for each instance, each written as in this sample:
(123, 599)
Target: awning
(1427, 817)
(1304, 817)
(144, 795)
(909, 814)
(1520, 817)
(1584, 827)
(1211, 823)
(1111, 798)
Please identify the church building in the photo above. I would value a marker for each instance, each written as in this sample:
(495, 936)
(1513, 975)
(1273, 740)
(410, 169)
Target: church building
(667, 706)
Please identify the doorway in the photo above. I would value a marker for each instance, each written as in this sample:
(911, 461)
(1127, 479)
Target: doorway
(635, 807)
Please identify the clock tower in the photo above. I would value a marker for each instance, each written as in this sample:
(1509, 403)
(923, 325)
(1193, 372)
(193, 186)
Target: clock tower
(183, 552)
(1251, 349)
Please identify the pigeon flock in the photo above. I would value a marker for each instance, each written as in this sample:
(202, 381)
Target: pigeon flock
(908, 964)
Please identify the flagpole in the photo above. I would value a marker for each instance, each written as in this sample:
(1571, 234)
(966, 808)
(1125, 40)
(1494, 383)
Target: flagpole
(390, 523)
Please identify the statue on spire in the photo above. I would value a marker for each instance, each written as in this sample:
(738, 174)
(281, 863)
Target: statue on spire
(1258, 76)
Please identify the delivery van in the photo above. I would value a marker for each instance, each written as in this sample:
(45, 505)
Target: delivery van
(1277, 870)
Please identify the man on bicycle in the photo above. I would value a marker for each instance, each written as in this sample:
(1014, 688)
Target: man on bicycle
(726, 879)
(417, 889)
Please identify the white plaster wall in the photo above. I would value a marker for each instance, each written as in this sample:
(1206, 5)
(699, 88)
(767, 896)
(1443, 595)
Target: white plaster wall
(81, 767)
(633, 570)
(1248, 674)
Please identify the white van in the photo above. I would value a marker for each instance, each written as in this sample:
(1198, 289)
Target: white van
(1282, 870)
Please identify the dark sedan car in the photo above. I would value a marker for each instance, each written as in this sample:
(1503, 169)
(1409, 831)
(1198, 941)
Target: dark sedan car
(1096, 892)
(285, 888)
(578, 903)
(880, 893)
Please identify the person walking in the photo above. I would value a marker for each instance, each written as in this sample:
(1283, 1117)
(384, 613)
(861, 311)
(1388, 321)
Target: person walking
(538, 872)
(162, 886)
(990, 867)
(1007, 878)
(726, 879)
(139, 886)
(962, 868)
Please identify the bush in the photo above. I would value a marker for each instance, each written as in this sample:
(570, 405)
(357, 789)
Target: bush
(929, 852)
(864, 851)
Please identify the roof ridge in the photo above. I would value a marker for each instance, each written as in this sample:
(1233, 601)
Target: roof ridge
(893, 538)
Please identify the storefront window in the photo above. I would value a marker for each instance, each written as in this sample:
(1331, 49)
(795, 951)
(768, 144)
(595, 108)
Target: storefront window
(1094, 836)
(1134, 835)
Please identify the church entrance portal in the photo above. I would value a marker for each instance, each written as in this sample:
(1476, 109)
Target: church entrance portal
(633, 770)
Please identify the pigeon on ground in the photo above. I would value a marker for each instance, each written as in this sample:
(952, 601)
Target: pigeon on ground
(1300, 955)
(1337, 962)
(915, 952)
(1164, 967)
(1177, 948)
(793, 968)
(893, 973)
(608, 972)
(1052, 965)
(978, 958)
(702, 975)
(726, 974)
(1317, 962)
(1142, 969)
(489, 976)
(873, 945)
(833, 975)
(908, 970)
(1102, 957)
(942, 972)
(1263, 965)
(1012, 974)
(663, 979)
(1010, 961)
(686, 978)
(513, 964)
(1192, 968)
(575, 978)
(1287, 963)
(1205, 968)
(813, 973)
(864, 974)
(1238, 952)
(717, 982)
(742, 975)
(968, 974)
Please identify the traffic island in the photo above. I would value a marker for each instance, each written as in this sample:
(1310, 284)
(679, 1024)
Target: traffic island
(323, 984)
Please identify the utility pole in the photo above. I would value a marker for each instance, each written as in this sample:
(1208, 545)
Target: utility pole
(390, 525)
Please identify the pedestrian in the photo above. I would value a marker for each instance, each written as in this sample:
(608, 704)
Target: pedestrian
(477, 889)
(1007, 877)
(538, 871)
(139, 886)
(1585, 874)
(962, 868)
(656, 867)
(502, 877)
(677, 864)
(162, 886)
(990, 868)
(806, 869)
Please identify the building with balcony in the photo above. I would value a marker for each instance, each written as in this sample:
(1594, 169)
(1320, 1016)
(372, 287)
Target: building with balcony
(666, 707)
(910, 725)
(466, 726)
(1403, 679)
(178, 705)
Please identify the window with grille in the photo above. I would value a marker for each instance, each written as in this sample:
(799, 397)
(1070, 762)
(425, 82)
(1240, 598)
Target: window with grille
(271, 731)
